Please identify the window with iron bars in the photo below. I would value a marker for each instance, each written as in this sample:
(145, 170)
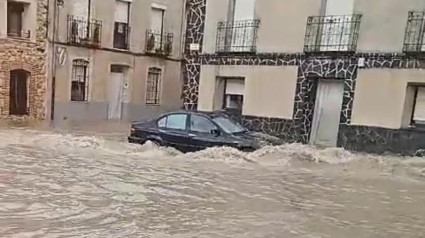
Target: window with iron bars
(332, 33)
(153, 86)
(414, 39)
(80, 80)
(237, 36)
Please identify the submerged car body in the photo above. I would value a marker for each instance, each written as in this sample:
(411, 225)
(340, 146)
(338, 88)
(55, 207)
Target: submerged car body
(193, 131)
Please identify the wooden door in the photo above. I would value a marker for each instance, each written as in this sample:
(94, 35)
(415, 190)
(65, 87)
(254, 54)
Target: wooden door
(18, 92)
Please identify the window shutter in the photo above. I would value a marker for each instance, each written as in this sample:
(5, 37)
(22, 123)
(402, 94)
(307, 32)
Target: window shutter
(244, 10)
(121, 11)
(235, 87)
(80, 8)
(420, 106)
(157, 20)
(339, 7)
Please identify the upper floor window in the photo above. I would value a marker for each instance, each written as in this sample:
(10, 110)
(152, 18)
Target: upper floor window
(239, 32)
(16, 22)
(332, 33)
(414, 39)
(80, 80)
(153, 86)
(82, 30)
(122, 28)
(157, 40)
(337, 30)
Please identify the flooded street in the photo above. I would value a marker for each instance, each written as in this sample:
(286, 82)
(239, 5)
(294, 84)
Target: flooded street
(60, 183)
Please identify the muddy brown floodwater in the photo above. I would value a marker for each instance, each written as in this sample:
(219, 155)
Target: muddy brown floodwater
(77, 183)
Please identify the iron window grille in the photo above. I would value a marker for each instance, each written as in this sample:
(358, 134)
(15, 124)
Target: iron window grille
(159, 43)
(153, 86)
(80, 80)
(332, 33)
(121, 35)
(414, 39)
(237, 36)
(84, 32)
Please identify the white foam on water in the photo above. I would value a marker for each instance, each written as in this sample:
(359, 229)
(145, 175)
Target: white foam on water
(282, 155)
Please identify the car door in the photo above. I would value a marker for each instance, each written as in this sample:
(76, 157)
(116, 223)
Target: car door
(201, 134)
(173, 131)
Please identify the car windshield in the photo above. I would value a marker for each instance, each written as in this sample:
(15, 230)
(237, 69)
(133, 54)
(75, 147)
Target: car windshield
(228, 125)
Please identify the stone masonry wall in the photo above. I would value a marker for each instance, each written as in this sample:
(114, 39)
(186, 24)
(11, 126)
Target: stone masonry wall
(32, 57)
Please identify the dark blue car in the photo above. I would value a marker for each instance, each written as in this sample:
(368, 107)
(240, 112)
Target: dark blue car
(193, 131)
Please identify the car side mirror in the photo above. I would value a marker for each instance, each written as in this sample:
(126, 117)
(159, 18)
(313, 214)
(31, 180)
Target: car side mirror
(215, 132)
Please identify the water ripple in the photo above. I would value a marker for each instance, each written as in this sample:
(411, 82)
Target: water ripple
(57, 184)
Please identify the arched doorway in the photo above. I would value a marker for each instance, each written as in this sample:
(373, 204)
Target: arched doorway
(18, 92)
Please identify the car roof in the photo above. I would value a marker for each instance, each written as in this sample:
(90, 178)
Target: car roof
(206, 114)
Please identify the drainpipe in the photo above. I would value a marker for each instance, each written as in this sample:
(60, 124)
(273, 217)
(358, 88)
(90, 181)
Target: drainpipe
(53, 58)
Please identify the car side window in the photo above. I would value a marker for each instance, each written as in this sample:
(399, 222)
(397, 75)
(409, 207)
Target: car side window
(201, 124)
(176, 121)
(162, 122)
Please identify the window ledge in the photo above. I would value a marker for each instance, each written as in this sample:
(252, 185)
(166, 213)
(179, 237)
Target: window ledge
(15, 38)
(122, 50)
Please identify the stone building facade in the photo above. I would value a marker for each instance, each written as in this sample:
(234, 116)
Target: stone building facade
(373, 53)
(23, 58)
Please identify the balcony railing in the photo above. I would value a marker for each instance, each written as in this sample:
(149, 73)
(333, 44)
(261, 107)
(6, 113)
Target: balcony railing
(237, 36)
(332, 33)
(83, 32)
(159, 44)
(414, 39)
(19, 34)
(121, 35)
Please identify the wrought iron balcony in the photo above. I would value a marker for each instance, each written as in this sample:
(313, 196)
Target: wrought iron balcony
(414, 39)
(332, 33)
(84, 32)
(121, 35)
(18, 34)
(237, 36)
(159, 43)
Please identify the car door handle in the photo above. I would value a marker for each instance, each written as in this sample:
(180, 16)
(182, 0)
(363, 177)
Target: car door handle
(192, 135)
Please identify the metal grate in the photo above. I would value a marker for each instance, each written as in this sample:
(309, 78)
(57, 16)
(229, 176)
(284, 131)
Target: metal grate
(80, 80)
(159, 43)
(415, 29)
(332, 33)
(153, 87)
(237, 36)
(83, 32)
(121, 35)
